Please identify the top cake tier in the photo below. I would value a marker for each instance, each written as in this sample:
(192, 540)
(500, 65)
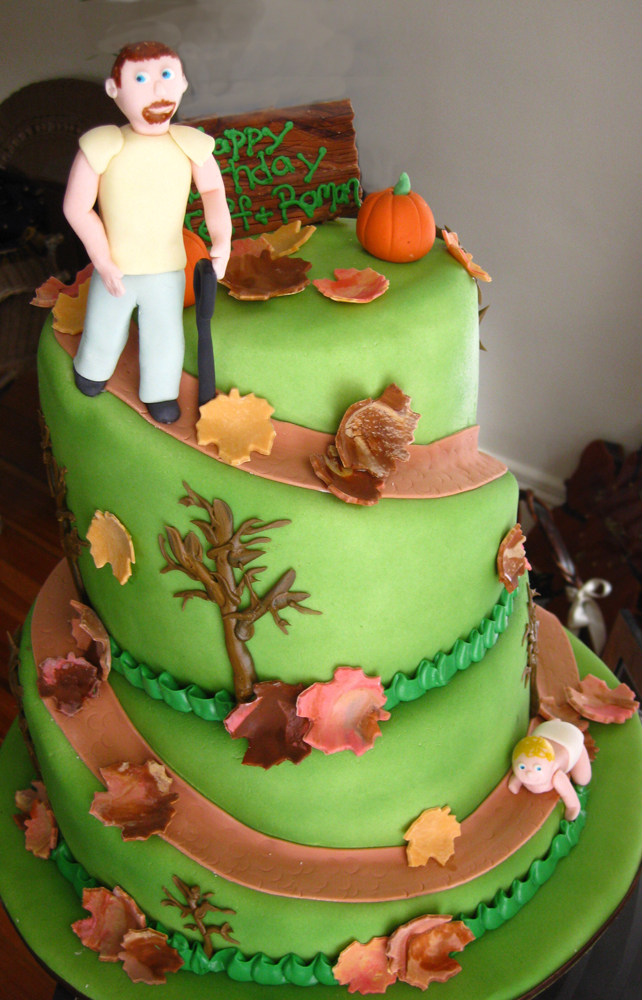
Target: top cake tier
(312, 357)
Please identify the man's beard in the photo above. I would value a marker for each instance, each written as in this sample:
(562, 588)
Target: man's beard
(154, 116)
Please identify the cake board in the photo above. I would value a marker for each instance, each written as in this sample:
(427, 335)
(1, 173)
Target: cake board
(516, 960)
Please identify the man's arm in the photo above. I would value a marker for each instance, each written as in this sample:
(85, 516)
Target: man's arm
(78, 206)
(211, 188)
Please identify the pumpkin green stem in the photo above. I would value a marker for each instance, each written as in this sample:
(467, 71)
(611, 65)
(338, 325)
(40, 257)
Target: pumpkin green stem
(402, 186)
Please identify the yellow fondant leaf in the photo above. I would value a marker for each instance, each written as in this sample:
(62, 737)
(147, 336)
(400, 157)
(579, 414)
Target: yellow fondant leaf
(111, 543)
(69, 310)
(432, 835)
(288, 239)
(237, 425)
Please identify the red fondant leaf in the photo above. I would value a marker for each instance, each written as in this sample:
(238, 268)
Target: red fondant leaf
(41, 830)
(112, 915)
(428, 954)
(146, 957)
(137, 799)
(511, 558)
(69, 680)
(349, 485)
(363, 968)
(551, 709)
(353, 285)
(92, 638)
(345, 712)
(397, 950)
(47, 294)
(595, 700)
(373, 434)
(270, 724)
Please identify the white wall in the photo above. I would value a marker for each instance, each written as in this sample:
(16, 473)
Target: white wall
(518, 120)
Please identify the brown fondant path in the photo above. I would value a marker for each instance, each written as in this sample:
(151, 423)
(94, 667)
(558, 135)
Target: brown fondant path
(101, 734)
(443, 468)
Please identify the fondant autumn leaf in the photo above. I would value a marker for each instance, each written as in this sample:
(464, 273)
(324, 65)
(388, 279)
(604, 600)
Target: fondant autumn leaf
(271, 725)
(112, 915)
(147, 957)
(46, 295)
(432, 835)
(70, 680)
(37, 820)
(91, 637)
(595, 700)
(237, 425)
(353, 285)
(110, 542)
(592, 748)
(511, 558)
(397, 949)
(255, 247)
(463, 258)
(363, 968)
(428, 954)
(349, 485)
(374, 433)
(549, 708)
(259, 278)
(138, 799)
(288, 239)
(70, 308)
(345, 712)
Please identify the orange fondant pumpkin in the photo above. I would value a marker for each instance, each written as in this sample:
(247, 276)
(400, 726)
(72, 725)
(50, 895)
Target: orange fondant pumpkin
(196, 249)
(396, 224)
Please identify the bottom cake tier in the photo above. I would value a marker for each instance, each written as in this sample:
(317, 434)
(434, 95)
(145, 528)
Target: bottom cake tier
(530, 914)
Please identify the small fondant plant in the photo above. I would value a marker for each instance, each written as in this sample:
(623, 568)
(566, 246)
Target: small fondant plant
(196, 907)
(230, 554)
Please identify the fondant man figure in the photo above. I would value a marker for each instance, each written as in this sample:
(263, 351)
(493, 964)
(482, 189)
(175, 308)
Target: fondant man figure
(141, 176)
(543, 761)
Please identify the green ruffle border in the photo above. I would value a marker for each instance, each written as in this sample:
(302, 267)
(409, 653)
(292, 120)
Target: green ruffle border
(295, 970)
(429, 674)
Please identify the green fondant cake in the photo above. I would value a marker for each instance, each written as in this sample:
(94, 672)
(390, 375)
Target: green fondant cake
(307, 857)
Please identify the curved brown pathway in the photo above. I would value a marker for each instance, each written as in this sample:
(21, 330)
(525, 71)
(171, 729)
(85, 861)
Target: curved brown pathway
(443, 468)
(101, 734)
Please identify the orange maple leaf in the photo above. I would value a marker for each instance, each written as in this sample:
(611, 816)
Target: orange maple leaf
(432, 835)
(464, 258)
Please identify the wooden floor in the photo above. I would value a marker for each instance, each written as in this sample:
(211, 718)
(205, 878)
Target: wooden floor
(29, 550)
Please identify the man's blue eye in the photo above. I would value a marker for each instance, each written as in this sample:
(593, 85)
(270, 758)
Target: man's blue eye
(142, 77)
(168, 74)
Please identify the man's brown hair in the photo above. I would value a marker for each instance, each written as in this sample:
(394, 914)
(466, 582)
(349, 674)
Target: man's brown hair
(139, 52)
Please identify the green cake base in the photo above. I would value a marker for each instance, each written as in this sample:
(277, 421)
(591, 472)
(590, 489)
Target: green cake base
(546, 935)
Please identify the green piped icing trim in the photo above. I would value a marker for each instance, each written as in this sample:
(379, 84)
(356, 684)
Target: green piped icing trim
(291, 968)
(429, 674)
(438, 672)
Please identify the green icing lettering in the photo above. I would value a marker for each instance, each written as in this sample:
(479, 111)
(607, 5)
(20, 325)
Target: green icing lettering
(311, 166)
(222, 146)
(282, 165)
(270, 150)
(254, 136)
(263, 216)
(237, 140)
(244, 210)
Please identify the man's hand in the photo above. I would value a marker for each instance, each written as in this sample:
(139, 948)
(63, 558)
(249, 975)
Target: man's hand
(112, 278)
(219, 261)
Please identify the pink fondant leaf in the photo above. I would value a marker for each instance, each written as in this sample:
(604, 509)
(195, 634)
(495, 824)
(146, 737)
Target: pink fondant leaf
(69, 680)
(146, 957)
(41, 830)
(271, 725)
(345, 712)
(363, 968)
(595, 700)
(353, 285)
(549, 708)
(397, 950)
(47, 294)
(138, 799)
(112, 915)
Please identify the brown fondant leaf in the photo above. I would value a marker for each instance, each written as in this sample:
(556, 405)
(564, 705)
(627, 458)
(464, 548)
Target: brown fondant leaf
(46, 295)
(345, 712)
(397, 950)
(138, 799)
(112, 915)
(463, 258)
(595, 700)
(288, 239)
(353, 285)
(41, 830)
(69, 310)
(258, 278)
(373, 434)
(511, 558)
(363, 968)
(237, 425)
(592, 748)
(270, 724)
(91, 637)
(348, 485)
(255, 247)
(428, 955)
(70, 680)
(432, 835)
(111, 543)
(551, 709)
(147, 957)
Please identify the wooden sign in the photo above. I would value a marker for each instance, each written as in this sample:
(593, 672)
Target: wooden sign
(282, 165)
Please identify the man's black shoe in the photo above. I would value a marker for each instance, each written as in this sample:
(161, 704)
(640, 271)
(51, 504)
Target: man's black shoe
(165, 412)
(87, 385)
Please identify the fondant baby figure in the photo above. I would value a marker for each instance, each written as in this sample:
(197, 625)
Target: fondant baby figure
(543, 761)
(141, 176)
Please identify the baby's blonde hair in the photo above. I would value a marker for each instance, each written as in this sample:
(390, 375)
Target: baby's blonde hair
(534, 746)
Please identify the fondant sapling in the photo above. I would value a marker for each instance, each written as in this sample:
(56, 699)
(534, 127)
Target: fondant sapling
(544, 760)
(141, 175)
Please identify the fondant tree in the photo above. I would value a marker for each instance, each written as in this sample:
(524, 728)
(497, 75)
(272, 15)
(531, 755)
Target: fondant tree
(229, 553)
